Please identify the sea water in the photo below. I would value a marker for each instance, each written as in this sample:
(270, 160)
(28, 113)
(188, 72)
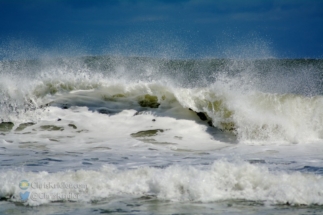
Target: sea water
(137, 135)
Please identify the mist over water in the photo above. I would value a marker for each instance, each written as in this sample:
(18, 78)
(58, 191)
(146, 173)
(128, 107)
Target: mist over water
(225, 89)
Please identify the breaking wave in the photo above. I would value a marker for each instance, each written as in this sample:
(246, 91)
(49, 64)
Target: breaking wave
(221, 181)
(232, 96)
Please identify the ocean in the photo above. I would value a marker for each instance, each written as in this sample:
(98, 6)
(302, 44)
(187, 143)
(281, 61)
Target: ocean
(144, 135)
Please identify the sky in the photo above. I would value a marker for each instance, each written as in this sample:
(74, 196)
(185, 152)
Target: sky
(162, 28)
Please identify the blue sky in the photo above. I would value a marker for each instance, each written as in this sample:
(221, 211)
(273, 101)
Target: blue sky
(163, 28)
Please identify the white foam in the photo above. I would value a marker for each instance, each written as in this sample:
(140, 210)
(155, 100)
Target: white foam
(221, 181)
(94, 130)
